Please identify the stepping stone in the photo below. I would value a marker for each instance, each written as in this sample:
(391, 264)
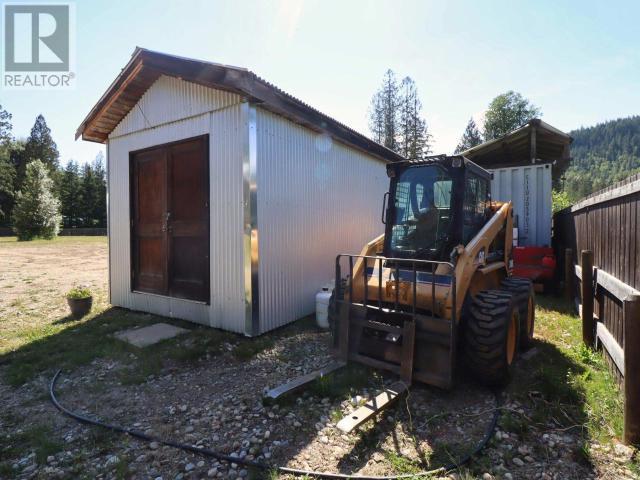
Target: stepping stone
(145, 336)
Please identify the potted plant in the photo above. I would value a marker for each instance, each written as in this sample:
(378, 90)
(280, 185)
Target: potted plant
(80, 300)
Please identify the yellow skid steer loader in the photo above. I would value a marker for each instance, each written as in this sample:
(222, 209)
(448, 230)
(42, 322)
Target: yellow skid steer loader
(435, 286)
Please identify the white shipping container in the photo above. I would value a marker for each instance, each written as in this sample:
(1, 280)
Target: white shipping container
(529, 188)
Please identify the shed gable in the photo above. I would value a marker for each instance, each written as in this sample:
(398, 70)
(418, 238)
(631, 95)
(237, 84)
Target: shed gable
(170, 99)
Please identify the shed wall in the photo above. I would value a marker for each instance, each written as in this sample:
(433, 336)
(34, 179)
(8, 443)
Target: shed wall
(316, 198)
(529, 188)
(225, 120)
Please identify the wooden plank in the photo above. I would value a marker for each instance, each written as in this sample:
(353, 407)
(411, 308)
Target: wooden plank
(628, 189)
(408, 349)
(618, 289)
(302, 381)
(611, 345)
(586, 291)
(632, 368)
(578, 270)
(372, 407)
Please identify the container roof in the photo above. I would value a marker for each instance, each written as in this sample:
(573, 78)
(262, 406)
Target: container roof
(534, 142)
(146, 66)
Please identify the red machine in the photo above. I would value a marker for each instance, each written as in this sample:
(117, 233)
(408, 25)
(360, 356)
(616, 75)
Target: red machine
(536, 263)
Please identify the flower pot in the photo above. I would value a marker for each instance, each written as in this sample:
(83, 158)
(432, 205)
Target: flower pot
(80, 306)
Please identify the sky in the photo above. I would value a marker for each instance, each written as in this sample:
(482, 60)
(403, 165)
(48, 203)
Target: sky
(579, 61)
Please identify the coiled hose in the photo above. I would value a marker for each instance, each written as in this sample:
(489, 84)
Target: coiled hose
(263, 466)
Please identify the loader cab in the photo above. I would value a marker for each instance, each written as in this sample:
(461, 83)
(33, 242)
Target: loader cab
(434, 204)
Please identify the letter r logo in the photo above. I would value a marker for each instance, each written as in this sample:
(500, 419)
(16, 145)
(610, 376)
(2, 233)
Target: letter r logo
(36, 38)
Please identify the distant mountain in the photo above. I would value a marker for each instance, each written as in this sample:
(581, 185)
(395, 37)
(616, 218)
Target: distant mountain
(602, 155)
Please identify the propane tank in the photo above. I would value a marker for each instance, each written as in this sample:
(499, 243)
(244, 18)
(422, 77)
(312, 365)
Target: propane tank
(322, 307)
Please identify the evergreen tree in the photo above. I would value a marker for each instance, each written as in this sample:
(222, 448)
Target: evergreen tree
(40, 146)
(5, 127)
(506, 113)
(470, 138)
(383, 113)
(7, 169)
(100, 173)
(36, 212)
(70, 194)
(395, 118)
(7, 179)
(89, 195)
(413, 141)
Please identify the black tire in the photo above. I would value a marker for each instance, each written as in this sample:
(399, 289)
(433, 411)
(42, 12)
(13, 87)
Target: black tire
(490, 343)
(522, 290)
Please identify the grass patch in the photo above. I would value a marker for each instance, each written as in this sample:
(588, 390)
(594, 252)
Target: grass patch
(402, 464)
(248, 349)
(37, 438)
(345, 382)
(68, 345)
(572, 383)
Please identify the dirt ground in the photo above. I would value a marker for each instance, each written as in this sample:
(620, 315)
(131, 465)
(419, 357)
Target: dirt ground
(205, 389)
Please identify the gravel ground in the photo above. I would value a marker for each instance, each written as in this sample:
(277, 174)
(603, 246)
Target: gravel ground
(217, 403)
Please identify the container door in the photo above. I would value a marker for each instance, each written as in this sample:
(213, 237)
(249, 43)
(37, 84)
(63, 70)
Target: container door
(148, 226)
(170, 220)
(188, 220)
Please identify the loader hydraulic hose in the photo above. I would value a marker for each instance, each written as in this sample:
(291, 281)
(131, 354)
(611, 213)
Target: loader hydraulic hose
(263, 466)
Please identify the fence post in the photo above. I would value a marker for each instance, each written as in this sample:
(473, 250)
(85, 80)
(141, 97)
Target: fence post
(569, 273)
(587, 294)
(631, 325)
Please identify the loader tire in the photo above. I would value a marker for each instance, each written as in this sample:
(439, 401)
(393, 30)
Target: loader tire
(522, 290)
(490, 337)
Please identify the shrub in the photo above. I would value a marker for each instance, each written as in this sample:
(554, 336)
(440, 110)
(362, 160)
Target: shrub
(78, 293)
(37, 211)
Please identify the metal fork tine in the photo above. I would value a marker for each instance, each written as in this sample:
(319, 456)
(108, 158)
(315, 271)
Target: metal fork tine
(433, 290)
(351, 278)
(365, 279)
(379, 261)
(397, 284)
(415, 286)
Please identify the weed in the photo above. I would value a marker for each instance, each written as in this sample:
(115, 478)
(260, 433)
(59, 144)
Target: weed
(248, 349)
(38, 438)
(515, 423)
(336, 415)
(402, 464)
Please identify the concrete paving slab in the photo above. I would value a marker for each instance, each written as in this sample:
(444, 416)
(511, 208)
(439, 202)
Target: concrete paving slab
(145, 336)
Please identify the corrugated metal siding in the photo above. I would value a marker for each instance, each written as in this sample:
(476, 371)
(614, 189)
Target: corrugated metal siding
(316, 198)
(529, 188)
(170, 99)
(227, 129)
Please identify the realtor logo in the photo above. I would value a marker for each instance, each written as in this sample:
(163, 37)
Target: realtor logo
(38, 46)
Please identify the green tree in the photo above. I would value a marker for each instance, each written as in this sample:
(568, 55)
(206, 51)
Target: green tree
(7, 169)
(413, 139)
(559, 200)
(5, 127)
(383, 113)
(36, 212)
(7, 179)
(40, 146)
(470, 138)
(70, 194)
(506, 113)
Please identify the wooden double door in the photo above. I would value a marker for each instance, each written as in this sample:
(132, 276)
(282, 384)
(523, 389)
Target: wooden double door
(170, 219)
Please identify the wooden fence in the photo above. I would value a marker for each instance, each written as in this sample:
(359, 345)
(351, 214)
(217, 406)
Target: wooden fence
(599, 237)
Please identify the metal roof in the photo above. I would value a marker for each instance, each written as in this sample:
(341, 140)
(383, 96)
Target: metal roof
(146, 66)
(534, 142)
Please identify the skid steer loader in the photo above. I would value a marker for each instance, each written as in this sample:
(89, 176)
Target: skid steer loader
(435, 286)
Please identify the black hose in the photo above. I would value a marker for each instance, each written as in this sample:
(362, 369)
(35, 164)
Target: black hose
(263, 466)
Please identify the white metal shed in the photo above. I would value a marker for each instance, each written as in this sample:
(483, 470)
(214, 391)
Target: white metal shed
(228, 199)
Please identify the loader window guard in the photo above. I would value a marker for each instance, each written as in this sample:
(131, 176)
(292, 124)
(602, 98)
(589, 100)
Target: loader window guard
(396, 264)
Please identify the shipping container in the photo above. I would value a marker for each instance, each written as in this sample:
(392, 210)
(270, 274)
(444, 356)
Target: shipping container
(529, 188)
